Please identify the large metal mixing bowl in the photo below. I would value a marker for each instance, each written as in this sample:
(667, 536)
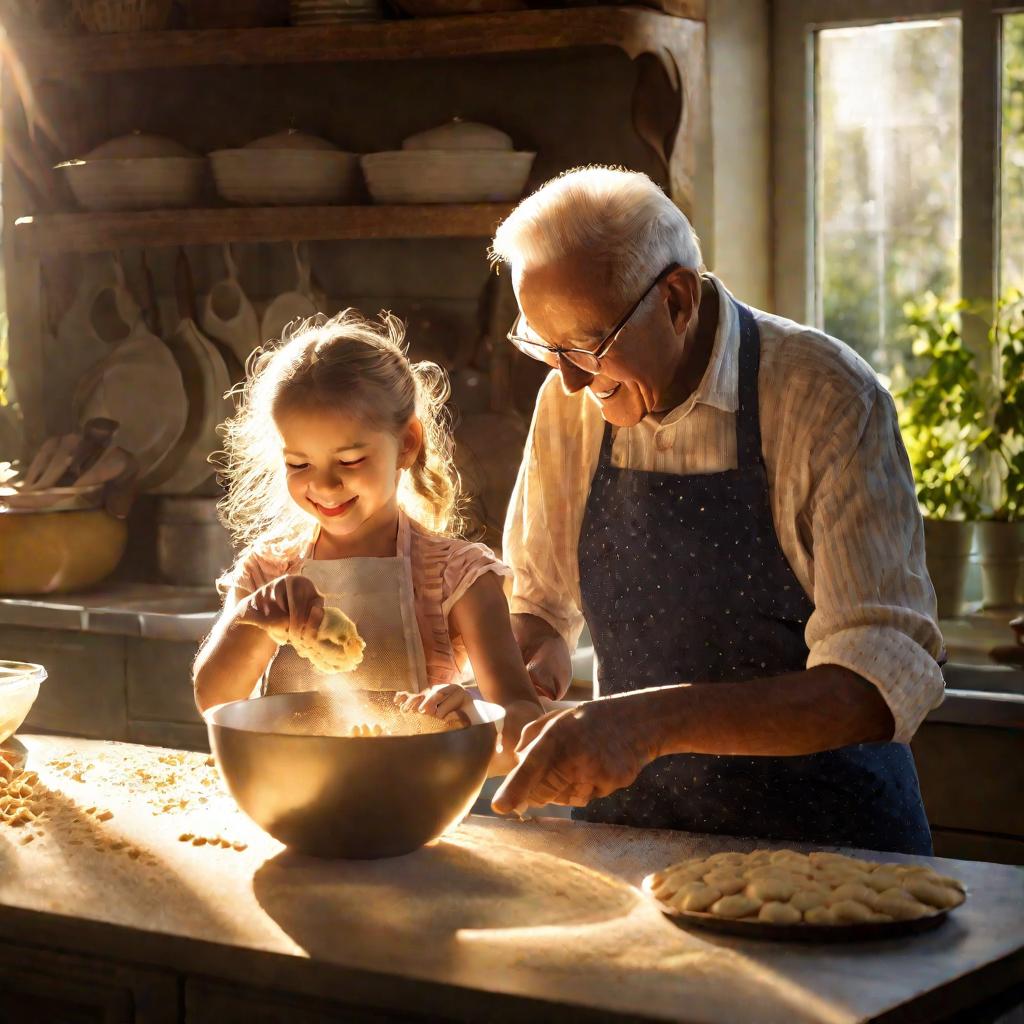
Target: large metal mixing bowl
(290, 763)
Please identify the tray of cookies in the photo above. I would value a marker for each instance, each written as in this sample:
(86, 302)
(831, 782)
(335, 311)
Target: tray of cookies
(808, 897)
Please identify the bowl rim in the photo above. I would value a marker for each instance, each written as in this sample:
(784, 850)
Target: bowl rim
(20, 673)
(489, 715)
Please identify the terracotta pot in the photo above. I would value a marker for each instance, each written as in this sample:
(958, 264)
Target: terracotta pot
(1002, 564)
(947, 544)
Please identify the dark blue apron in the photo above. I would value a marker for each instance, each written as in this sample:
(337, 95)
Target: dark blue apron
(683, 580)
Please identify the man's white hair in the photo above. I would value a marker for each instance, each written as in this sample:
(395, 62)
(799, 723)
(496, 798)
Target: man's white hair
(619, 217)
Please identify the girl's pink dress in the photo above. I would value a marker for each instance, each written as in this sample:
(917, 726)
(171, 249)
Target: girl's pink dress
(443, 569)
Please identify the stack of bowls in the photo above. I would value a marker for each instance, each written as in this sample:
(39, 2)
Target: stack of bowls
(334, 12)
(460, 162)
(288, 168)
(136, 172)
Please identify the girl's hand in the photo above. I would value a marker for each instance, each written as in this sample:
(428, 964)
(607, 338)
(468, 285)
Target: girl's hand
(440, 701)
(289, 604)
(518, 715)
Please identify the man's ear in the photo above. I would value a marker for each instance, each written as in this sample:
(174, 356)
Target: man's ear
(683, 297)
(410, 443)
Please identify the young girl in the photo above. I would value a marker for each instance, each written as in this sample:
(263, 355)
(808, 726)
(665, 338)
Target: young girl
(342, 489)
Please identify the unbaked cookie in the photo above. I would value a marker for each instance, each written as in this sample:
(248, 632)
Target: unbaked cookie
(787, 887)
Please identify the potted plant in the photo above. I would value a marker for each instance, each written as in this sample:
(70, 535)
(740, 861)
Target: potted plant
(1001, 531)
(942, 419)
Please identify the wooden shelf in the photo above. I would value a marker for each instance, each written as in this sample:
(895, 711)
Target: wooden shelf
(98, 232)
(633, 29)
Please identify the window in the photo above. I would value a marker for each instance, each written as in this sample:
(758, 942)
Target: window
(1011, 270)
(887, 141)
(896, 171)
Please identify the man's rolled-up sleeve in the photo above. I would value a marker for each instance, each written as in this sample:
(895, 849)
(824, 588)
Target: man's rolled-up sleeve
(874, 602)
(544, 514)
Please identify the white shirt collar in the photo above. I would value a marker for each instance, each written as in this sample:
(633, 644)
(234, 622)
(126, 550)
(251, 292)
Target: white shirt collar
(719, 386)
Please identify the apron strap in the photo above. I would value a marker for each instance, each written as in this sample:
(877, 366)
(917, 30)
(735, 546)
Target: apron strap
(748, 421)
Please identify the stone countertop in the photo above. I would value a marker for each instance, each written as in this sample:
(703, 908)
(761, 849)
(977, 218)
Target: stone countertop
(153, 610)
(499, 919)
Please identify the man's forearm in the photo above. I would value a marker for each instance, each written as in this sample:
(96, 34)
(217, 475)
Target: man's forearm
(797, 713)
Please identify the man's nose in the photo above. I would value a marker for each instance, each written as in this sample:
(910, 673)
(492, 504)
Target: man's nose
(573, 378)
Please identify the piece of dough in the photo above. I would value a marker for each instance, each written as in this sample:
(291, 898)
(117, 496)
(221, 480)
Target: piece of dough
(819, 915)
(882, 879)
(943, 897)
(771, 889)
(730, 858)
(808, 899)
(729, 882)
(779, 913)
(695, 897)
(854, 891)
(338, 646)
(850, 912)
(901, 908)
(735, 906)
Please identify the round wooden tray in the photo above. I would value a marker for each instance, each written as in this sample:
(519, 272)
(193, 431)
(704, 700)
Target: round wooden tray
(799, 932)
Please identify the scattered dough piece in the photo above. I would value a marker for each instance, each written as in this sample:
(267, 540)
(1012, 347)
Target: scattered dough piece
(696, 897)
(338, 647)
(735, 906)
(779, 913)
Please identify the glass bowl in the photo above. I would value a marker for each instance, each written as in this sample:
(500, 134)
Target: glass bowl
(19, 687)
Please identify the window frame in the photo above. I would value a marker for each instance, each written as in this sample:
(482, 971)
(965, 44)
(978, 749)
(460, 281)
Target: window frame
(794, 158)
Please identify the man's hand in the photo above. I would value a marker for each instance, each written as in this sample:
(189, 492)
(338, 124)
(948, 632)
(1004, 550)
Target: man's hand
(545, 655)
(574, 756)
(289, 604)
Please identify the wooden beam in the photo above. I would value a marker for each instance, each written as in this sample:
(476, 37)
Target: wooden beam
(99, 232)
(633, 29)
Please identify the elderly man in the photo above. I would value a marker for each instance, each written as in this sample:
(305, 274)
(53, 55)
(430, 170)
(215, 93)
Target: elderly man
(723, 496)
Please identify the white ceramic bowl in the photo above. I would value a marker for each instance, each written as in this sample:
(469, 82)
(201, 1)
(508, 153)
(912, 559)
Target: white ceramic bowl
(447, 176)
(136, 183)
(19, 687)
(283, 177)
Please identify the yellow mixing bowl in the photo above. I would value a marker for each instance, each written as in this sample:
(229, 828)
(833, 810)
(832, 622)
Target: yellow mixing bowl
(56, 552)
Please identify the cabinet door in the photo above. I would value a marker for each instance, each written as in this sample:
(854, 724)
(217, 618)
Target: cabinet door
(215, 1002)
(43, 987)
(84, 693)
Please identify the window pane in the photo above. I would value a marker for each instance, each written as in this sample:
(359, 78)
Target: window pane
(1012, 200)
(888, 178)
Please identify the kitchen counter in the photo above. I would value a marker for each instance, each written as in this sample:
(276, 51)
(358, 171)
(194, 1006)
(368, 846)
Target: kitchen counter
(500, 920)
(153, 610)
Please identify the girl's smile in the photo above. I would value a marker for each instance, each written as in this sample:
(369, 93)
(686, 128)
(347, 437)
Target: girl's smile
(334, 510)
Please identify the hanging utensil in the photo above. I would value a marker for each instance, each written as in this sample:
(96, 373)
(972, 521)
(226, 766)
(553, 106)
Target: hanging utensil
(291, 306)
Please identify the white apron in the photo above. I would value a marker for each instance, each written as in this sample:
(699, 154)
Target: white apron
(377, 594)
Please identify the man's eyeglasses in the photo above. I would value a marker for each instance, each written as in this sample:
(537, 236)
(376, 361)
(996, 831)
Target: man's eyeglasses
(586, 359)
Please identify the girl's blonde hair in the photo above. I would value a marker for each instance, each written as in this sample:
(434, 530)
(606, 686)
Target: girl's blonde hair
(348, 362)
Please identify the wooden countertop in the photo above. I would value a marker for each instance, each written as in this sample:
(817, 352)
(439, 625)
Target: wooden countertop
(499, 918)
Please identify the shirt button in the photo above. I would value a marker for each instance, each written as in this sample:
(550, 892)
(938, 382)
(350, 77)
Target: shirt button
(663, 441)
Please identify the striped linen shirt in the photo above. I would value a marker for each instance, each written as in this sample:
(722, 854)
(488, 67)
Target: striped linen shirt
(842, 500)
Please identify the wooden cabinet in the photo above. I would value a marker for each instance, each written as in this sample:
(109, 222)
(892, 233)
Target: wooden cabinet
(111, 687)
(45, 987)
